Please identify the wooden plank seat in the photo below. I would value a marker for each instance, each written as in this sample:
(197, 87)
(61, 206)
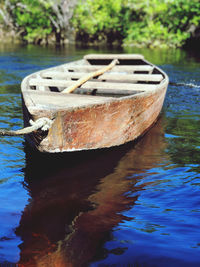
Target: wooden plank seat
(91, 85)
(114, 56)
(121, 68)
(106, 92)
(107, 77)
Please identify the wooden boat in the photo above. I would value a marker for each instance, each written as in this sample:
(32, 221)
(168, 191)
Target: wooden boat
(108, 110)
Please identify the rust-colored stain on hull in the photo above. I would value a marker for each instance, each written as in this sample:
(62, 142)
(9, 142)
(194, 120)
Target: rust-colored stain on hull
(105, 125)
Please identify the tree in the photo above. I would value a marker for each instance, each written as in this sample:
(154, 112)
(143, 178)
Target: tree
(62, 11)
(4, 14)
(36, 20)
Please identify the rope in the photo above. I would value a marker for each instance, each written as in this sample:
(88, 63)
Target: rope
(43, 123)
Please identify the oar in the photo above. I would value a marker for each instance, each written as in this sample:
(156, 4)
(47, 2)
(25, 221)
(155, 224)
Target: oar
(90, 76)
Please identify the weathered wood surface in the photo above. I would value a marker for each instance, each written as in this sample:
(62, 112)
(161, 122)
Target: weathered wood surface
(89, 76)
(121, 68)
(113, 56)
(54, 101)
(107, 91)
(91, 84)
(97, 126)
(105, 77)
(83, 122)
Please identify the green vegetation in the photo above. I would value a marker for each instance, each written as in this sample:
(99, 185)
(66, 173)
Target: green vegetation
(37, 20)
(141, 23)
(151, 23)
(27, 17)
(100, 20)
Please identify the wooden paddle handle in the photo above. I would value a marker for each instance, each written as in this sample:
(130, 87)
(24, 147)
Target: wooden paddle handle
(90, 76)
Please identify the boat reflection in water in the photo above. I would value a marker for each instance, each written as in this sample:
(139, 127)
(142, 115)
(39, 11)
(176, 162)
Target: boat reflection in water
(77, 199)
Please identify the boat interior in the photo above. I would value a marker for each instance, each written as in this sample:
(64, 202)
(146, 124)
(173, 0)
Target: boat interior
(132, 75)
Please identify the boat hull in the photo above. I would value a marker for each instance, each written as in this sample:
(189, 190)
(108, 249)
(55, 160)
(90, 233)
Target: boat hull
(97, 126)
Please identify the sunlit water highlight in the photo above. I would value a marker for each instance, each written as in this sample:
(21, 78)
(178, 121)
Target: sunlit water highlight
(136, 205)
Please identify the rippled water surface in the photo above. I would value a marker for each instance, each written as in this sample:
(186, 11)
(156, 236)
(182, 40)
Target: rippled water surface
(135, 205)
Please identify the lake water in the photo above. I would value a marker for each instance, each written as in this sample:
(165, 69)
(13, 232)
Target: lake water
(135, 205)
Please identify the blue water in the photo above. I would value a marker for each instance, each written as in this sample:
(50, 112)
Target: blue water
(136, 205)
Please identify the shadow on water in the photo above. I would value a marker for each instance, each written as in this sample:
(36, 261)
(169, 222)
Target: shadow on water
(76, 199)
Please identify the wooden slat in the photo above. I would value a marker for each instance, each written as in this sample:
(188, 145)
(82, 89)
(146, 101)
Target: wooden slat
(106, 91)
(112, 77)
(121, 68)
(113, 56)
(89, 84)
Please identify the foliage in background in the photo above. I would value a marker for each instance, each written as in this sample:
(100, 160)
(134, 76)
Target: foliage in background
(36, 20)
(166, 23)
(100, 20)
(144, 23)
(131, 22)
(31, 19)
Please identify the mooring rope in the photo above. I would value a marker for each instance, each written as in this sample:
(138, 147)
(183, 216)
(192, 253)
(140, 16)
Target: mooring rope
(43, 123)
